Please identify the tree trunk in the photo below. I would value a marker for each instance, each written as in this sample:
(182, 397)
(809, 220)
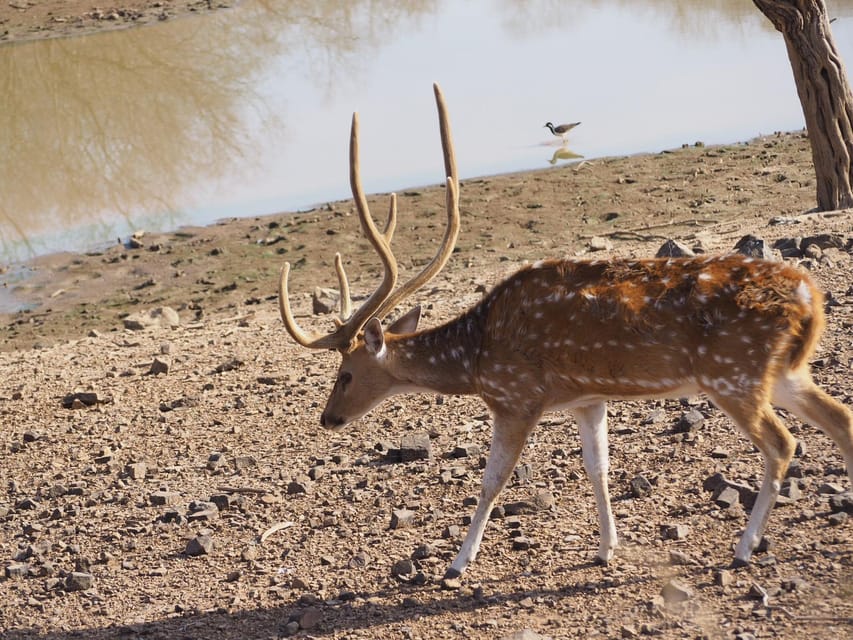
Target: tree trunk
(824, 93)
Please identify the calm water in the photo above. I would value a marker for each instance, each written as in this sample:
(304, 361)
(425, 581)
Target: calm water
(247, 111)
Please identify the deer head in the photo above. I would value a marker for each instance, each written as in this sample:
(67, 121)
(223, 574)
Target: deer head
(364, 379)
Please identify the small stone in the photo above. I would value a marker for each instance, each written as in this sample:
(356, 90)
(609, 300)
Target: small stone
(724, 578)
(415, 446)
(244, 462)
(17, 570)
(136, 470)
(726, 498)
(674, 531)
(161, 498)
(31, 436)
(403, 569)
(452, 532)
(466, 450)
(791, 490)
(525, 634)
(522, 543)
(719, 453)
(689, 421)
(640, 487)
(674, 249)
(841, 502)
(830, 488)
(310, 617)
(291, 628)
(451, 584)
(402, 518)
(837, 519)
(324, 301)
(160, 365)
(155, 318)
(757, 592)
(200, 545)
(423, 551)
(754, 247)
(222, 501)
(79, 581)
(674, 591)
(80, 399)
(600, 243)
(523, 473)
(794, 584)
(297, 486)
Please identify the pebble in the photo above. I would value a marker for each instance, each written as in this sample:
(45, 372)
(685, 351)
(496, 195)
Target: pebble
(79, 581)
(136, 470)
(161, 498)
(160, 365)
(689, 421)
(674, 249)
(640, 487)
(525, 634)
(17, 570)
(466, 450)
(415, 446)
(310, 617)
(200, 545)
(754, 247)
(674, 531)
(675, 591)
(402, 518)
(841, 502)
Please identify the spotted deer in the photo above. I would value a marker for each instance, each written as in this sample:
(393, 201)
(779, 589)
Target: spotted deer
(573, 334)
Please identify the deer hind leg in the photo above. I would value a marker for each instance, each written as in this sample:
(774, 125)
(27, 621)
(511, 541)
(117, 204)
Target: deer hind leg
(797, 393)
(766, 431)
(592, 422)
(508, 438)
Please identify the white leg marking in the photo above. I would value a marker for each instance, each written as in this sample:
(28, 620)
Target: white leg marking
(592, 421)
(508, 439)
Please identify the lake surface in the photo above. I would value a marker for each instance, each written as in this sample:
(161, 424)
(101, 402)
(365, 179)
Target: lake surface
(247, 111)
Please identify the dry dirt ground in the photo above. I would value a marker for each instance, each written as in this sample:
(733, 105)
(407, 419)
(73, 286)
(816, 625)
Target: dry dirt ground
(173, 482)
(30, 19)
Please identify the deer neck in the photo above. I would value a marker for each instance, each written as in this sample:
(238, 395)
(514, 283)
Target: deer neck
(442, 359)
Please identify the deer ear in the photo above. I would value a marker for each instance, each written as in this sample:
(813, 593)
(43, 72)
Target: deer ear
(407, 323)
(374, 338)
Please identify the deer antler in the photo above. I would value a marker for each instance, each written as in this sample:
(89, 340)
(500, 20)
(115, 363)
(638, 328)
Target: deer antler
(452, 204)
(383, 299)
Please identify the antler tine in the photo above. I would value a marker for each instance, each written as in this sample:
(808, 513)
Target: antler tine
(452, 231)
(446, 137)
(333, 340)
(391, 222)
(387, 234)
(346, 301)
(389, 279)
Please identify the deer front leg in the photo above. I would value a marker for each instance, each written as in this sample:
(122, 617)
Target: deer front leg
(508, 440)
(592, 422)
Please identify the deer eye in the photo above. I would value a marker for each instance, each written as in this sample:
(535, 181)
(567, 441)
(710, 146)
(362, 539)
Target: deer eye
(345, 378)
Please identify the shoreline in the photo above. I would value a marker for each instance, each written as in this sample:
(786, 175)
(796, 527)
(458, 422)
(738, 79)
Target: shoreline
(705, 195)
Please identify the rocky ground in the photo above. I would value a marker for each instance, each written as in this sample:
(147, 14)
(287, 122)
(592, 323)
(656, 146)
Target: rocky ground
(164, 475)
(170, 479)
(32, 19)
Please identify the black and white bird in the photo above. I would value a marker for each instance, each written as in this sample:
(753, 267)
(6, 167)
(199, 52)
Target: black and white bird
(561, 129)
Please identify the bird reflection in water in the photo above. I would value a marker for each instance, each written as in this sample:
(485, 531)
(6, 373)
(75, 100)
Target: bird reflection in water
(563, 153)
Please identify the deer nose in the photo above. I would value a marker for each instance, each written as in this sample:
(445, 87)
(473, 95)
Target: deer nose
(328, 421)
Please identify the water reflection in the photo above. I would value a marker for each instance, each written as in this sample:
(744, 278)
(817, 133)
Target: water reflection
(98, 128)
(563, 153)
(106, 133)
